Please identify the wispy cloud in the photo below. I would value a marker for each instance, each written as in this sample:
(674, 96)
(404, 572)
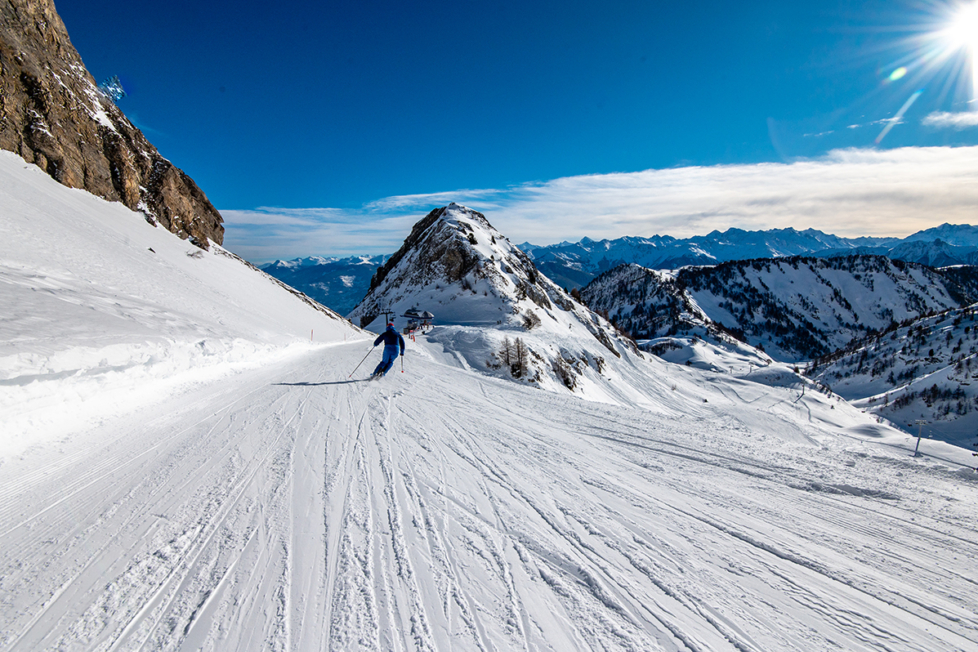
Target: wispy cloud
(848, 192)
(265, 234)
(944, 120)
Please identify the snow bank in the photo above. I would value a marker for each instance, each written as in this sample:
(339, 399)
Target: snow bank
(103, 312)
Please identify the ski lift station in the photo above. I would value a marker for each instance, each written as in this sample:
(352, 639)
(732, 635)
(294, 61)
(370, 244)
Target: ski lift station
(417, 319)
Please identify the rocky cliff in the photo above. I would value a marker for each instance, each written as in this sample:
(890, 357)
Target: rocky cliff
(53, 115)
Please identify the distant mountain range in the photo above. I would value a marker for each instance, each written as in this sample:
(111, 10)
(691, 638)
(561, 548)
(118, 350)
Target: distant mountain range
(339, 283)
(574, 265)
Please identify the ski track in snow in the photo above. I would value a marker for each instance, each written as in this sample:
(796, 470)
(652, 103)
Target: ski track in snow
(291, 509)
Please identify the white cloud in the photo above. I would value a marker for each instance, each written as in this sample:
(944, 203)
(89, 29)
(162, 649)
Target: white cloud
(848, 192)
(943, 120)
(264, 234)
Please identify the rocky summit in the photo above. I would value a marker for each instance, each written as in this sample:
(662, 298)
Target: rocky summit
(53, 114)
(494, 311)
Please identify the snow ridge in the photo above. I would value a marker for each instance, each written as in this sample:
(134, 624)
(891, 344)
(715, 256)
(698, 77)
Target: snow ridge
(794, 308)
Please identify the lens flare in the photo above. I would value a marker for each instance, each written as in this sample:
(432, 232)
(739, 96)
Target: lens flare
(899, 73)
(898, 118)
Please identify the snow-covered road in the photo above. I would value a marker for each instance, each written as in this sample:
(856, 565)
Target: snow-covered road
(288, 508)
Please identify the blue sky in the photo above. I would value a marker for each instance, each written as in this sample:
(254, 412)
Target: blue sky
(328, 128)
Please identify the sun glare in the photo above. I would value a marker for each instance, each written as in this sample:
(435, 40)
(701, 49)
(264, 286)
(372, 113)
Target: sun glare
(963, 30)
(939, 55)
(963, 33)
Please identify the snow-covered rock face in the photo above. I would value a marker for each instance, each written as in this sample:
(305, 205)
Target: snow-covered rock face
(486, 294)
(455, 264)
(795, 308)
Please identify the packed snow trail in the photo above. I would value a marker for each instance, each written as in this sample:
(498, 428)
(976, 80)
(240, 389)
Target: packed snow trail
(289, 508)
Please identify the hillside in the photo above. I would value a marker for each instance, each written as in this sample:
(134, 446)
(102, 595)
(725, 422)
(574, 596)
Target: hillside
(793, 308)
(923, 369)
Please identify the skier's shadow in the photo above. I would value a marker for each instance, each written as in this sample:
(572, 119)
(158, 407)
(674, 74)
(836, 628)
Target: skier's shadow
(337, 382)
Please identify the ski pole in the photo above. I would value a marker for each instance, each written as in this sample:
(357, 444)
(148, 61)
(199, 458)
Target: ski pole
(402, 363)
(358, 366)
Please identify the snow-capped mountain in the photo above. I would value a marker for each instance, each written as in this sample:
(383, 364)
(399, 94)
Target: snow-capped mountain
(958, 235)
(487, 296)
(573, 265)
(933, 253)
(339, 283)
(793, 308)
(922, 369)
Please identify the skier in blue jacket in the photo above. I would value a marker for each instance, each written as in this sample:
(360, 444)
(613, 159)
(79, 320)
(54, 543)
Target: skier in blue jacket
(393, 342)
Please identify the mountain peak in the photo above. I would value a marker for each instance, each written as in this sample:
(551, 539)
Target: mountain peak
(450, 255)
(483, 289)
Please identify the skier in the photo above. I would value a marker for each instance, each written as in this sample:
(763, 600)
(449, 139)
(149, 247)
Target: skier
(392, 343)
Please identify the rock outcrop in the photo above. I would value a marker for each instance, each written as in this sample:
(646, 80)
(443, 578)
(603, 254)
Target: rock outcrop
(493, 309)
(53, 114)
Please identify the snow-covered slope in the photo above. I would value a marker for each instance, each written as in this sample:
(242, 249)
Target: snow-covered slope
(925, 369)
(795, 308)
(219, 483)
(290, 509)
(339, 283)
(494, 311)
(104, 312)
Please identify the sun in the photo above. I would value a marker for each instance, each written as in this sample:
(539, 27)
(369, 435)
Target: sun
(963, 28)
(962, 33)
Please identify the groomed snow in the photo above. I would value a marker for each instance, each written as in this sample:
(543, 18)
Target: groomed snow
(289, 508)
(281, 505)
